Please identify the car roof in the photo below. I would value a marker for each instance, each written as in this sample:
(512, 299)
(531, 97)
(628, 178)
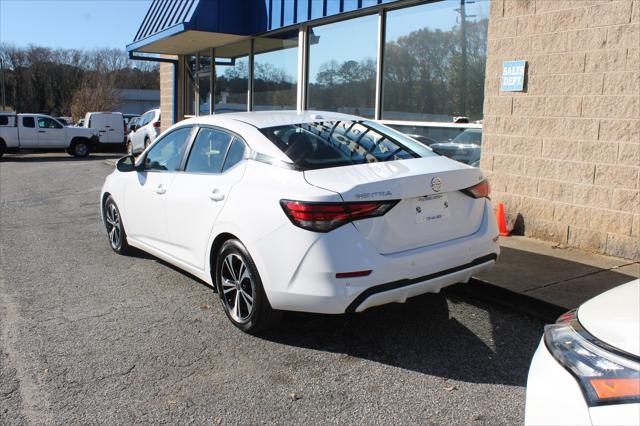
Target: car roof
(264, 119)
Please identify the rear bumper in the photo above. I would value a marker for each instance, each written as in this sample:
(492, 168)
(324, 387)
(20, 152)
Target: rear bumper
(399, 291)
(305, 280)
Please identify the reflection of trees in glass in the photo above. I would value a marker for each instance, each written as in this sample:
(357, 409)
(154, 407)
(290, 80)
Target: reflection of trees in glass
(423, 72)
(233, 82)
(273, 87)
(348, 87)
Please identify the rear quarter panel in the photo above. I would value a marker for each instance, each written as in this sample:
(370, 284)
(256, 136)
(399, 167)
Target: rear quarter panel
(254, 215)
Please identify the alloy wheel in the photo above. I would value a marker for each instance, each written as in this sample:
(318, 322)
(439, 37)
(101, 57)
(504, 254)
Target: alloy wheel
(114, 227)
(238, 288)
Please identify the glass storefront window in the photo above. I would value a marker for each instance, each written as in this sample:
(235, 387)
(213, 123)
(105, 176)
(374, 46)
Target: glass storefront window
(191, 86)
(204, 84)
(275, 69)
(232, 79)
(434, 61)
(342, 66)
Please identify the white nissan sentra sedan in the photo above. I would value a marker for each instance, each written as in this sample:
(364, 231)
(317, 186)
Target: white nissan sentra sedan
(315, 212)
(586, 370)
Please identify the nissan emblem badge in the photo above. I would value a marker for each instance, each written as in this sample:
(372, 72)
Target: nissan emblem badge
(436, 184)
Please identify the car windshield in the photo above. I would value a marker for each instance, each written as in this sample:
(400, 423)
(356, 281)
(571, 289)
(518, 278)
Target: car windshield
(470, 136)
(343, 143)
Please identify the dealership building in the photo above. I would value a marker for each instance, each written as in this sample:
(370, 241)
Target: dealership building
(553, 84)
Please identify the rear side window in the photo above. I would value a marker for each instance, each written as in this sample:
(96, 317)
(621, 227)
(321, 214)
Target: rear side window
(4, 120)
(28, 122)
(209, 151)
(342, 143)
(235, 154)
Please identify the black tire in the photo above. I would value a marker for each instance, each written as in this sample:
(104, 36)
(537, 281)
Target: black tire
(147, 142)
(115, 229)
(251, 319)
(79, 148)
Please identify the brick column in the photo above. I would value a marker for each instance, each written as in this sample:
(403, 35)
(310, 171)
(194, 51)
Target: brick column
(565, 153)
(166, 95)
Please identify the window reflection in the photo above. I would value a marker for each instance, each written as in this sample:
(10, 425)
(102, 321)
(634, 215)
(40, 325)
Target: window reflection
(275, 72)
(232, 80)
(342, 66)
(190, 85)
(434, 65)
(204, 84)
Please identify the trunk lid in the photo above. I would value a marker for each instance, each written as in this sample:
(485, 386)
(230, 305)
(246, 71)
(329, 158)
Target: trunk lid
(431, 208)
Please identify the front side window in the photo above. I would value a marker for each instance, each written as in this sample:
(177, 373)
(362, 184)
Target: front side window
(166, 154)
(209, 151)
(342, 143)
(28, 122)
(342, 66)
(48, 123)
(4, 120)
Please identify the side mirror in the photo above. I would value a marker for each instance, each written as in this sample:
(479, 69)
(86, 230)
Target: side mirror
(126, 164)
(133, 128)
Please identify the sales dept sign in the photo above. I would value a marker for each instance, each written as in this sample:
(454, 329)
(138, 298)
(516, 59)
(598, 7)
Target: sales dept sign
(513, 76)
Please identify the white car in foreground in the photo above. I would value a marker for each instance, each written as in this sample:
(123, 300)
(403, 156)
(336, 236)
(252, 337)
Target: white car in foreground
(586, 370)
(317, 212)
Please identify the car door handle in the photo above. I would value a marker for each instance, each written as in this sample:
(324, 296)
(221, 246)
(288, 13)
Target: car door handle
(161, 189)
(42, 131)
(216, 195)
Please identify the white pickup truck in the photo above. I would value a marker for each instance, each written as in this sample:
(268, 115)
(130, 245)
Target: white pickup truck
(43, 133)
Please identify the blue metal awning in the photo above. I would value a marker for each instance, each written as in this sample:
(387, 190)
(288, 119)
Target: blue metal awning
(183, 26)
(163, 15)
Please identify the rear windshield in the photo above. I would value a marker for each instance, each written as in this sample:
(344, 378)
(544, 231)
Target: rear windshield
(470, 136)
(343, 143)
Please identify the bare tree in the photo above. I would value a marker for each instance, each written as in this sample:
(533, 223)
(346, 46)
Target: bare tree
(96, 93)
(45, 80)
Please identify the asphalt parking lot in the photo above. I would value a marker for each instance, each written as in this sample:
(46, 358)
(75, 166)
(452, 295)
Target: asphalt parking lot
(91, 337)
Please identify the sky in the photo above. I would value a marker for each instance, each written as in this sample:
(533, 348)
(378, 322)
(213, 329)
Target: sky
(80, 24)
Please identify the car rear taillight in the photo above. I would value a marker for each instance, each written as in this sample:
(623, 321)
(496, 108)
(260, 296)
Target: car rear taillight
(323, 217)
(481, 190)
(156, 124)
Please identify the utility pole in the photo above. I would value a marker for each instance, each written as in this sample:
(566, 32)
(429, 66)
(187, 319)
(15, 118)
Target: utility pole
(2, 90)
(463, 42)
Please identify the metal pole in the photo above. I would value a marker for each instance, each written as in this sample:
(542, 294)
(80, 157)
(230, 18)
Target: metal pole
(463, 74)
(301, 96)
(379, 65)
(2, 85)
(250, 77)
(212, 80)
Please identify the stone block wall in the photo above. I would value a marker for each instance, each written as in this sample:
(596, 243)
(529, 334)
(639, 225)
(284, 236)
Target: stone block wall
(166, 95)
(565, 153)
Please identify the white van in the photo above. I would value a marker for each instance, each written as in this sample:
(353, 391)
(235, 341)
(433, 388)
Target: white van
(110, 126)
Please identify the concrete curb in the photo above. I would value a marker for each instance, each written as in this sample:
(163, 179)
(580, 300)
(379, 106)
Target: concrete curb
(491, 293)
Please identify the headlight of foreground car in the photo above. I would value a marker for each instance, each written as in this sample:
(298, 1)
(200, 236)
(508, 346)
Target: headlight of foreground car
(605, 375)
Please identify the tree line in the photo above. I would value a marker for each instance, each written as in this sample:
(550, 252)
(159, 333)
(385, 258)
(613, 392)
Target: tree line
(69, 82)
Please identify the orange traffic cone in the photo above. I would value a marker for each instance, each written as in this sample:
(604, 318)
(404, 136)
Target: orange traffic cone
(502, 221)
